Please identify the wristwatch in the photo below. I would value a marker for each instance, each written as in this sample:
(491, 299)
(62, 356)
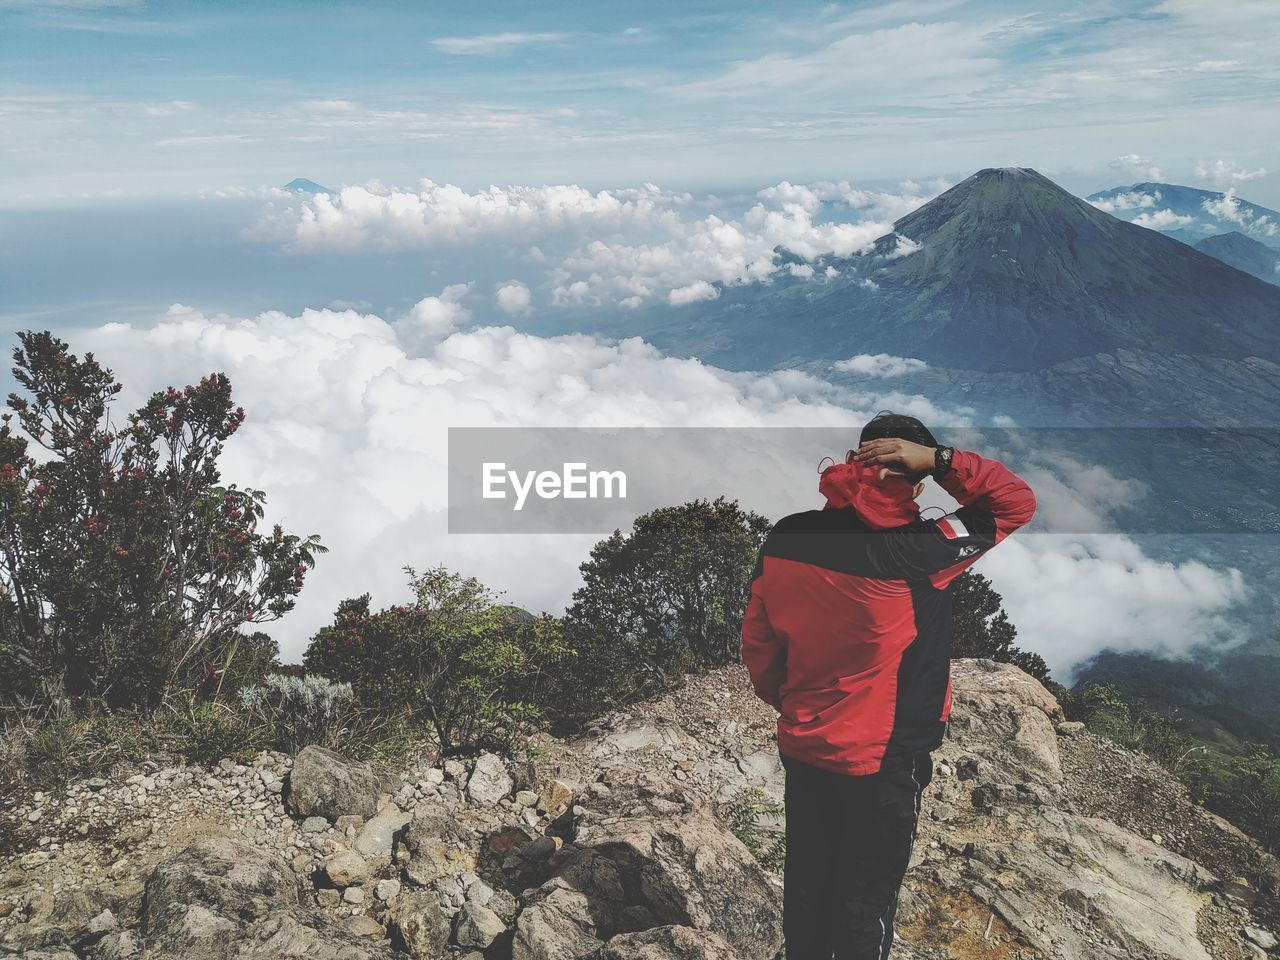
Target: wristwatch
(942, 461)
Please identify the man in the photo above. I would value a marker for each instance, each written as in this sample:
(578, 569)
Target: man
(848, 635)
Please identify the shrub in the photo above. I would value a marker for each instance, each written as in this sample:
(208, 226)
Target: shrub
(981, 628)
(664, 600)
(208, 732)
(1133, 724)
(744, 813)
(297, 711)
(476, 670)
(126, 567)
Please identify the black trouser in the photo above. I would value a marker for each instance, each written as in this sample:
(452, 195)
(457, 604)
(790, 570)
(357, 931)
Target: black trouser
(848, 846)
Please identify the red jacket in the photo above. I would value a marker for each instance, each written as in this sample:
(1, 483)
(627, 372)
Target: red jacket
(848, 630)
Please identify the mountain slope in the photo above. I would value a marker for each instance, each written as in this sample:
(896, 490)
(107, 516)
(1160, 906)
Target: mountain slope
(1243, 253)
(1190, 213)
(1004, 272)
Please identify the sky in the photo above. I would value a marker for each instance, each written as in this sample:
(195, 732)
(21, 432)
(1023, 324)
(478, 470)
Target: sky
(147, 98)
(513, 180)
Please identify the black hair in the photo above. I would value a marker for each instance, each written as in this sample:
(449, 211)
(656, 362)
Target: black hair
(899, 426)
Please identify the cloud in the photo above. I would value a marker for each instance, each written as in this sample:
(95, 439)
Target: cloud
(347, 431)
(880, 365)
(1133, 165)
(700, 290)
(513, 297)
(619, 247)
(1229, 208)
(1225, 173)
(491, 43)
(433, 318)
(1162, 220)
(1129, 200)
(902, 247)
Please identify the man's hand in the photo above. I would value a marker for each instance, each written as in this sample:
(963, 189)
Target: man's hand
(900, 456)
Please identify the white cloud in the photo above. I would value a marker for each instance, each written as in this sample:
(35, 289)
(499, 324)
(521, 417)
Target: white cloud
(1225, 173)
(1129, 200)
(513, 297)
(880, 365)
(1162, 220)
(433, 318)
(902, 247)
(610, 246)
(699, 290)
(491, 43)
(1135, 166)
(347, 428)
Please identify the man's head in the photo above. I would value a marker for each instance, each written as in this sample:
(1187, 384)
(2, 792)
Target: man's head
(899, 426)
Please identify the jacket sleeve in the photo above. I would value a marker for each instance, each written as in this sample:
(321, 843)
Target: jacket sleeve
(994, 502)
(763, 651)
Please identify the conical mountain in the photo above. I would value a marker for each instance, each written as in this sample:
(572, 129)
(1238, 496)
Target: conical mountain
(1006, 271)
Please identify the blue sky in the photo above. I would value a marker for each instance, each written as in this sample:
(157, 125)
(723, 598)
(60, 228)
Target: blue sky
(133, 98)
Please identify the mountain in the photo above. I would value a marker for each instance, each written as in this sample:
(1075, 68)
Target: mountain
(654, 836)
(301, 185)
(1005, 272)
(1244, 253)
(1190, 213)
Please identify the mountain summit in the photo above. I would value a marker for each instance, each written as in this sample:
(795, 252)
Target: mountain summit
(1005, 271)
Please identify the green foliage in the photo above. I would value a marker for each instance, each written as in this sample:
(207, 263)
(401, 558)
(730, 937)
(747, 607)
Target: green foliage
(1134, 724)
(126, 567)
(744, 813)
(297, 711)
(206, 732)
(982, 629)
(478, 671)
(664, 600)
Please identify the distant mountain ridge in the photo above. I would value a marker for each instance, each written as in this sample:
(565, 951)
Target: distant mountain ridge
(1244, 253)
(303, 185)
(1005, 272)
(1190, 213)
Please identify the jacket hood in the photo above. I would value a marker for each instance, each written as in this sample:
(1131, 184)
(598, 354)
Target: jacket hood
(880, 502)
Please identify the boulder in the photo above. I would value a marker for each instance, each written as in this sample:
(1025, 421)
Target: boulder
(418, 924)
(489, 781)
(657, 856)
(325, 784)
(438, 847)
(477, 926)
(221, 898)
(666, 943)
(375, 839)
(346, 868)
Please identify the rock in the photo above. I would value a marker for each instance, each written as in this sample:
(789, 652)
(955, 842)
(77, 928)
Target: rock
(315, 825)
(325, 784)
(387, 890)
(198, 897)
(1263, 938)
(353, 895)
(662, 857)
(489, 781)
(375, 840)
(362, 926)
(221, 898)
(437, 848)
(556, 923)
(121, 945)
(1070, 728)
(419, 925)
(345, 868)
(666, 943)
(477, 926)
(557, 797)
(525, 798)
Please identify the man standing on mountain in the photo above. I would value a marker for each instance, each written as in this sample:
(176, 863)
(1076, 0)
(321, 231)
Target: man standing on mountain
(848, 635)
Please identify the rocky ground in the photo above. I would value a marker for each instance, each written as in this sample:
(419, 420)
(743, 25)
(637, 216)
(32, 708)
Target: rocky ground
(1037, 841)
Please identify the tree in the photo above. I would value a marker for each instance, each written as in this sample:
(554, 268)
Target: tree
(981, 628)
(126, 567)
(480, 672)
(666, 599)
